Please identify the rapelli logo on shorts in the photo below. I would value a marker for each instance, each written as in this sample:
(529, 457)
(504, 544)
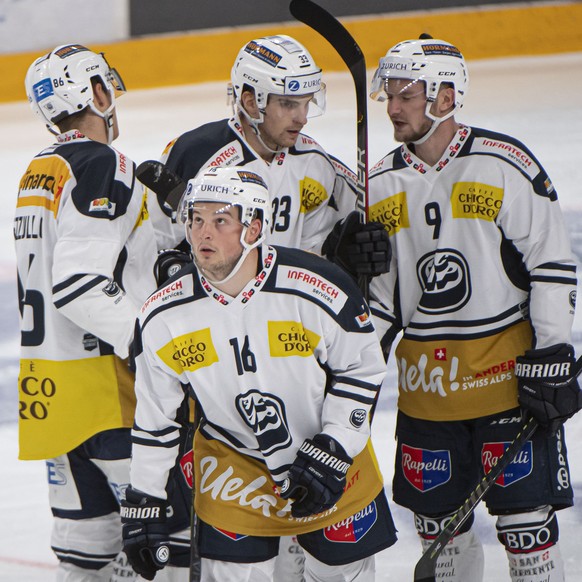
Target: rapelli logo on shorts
(354, 528)
(265, 415)
(187, 467)
(518, 469)
(290, 338)
(190, 352)
(444, 277)
(391, 212)
(231, 535)
(425, 469)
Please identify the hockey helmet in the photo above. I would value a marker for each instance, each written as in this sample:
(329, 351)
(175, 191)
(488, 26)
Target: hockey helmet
(278, 65)
(58, 84)
(430, 60)
(232, 186)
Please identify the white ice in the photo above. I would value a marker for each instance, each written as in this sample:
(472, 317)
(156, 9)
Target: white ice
(537, 100)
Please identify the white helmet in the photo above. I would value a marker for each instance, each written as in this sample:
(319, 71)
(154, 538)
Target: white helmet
(430, 60)
(278, 65)
(232, 186)
(58, 84)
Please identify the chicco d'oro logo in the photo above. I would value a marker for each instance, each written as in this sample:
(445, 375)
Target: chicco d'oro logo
(444, 277)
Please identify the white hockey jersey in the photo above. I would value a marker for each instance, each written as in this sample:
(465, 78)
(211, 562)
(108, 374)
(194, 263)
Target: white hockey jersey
(293, 355)
(482, 270)
(310, 190)
(85, 253)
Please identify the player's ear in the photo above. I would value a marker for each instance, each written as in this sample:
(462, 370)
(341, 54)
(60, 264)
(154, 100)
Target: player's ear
(249, 102)
(254, 230)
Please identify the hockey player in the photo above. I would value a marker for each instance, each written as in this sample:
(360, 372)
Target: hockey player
(277, 347)
(85, 259)
(275, 87)
(482, 285)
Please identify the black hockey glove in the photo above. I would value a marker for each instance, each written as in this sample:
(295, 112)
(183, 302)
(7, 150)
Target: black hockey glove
(317, 478)
(548, 385)
(145, 534)
(169, 262)
(359, 249)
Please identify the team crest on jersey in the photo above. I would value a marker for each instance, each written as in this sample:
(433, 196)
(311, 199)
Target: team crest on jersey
(392, 212)
(265, 414)
(312, 285)
(189, 352)
(352, 529)
(518, 469)
(313, 194)
(290, 338)
(444, 277)
(425, 469)
(476, 200)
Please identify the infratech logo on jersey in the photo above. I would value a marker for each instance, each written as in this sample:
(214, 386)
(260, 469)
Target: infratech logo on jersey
(425, 469)
(312, 285)
(518, 469)
(352, 529)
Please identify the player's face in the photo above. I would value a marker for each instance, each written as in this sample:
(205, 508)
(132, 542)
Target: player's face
(406, 109)
(284, 118)
(215, 234)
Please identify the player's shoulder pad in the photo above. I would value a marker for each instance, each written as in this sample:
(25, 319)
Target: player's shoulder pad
(178, 289)
(216, 143)
(515, 153)
(391, 161)
(321, 282)
(104, 179)
(343, 171)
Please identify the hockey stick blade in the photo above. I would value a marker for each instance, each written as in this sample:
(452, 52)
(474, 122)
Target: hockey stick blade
(159, 179)
(425, 570)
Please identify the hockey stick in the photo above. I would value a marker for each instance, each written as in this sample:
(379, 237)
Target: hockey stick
(162, 181)
(425, 570)
(348, 49)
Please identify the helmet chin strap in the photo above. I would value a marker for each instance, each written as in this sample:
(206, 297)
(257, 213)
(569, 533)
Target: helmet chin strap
(254, 123)
(247, 248)
(436, 121)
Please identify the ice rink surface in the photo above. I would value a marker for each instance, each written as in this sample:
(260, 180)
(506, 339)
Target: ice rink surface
(537, 100)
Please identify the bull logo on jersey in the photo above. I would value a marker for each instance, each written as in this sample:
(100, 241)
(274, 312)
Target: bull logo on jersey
(518, 469)
(444, 277)
(425, 469)
(352, 529)
(265, 414)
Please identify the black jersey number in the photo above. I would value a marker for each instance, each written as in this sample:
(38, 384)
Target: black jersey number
(432, 215)
(35, 300)
(244, 358)
(281, 214)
